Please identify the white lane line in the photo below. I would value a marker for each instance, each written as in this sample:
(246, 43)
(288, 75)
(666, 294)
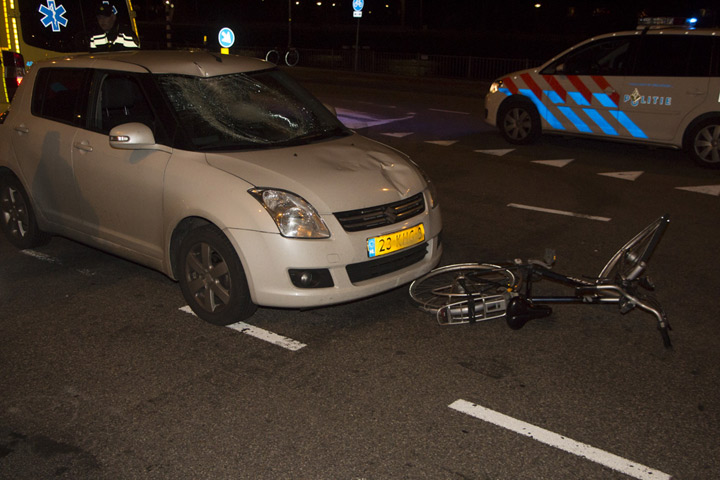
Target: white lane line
(555, 163)
(559, 212)
(448, 111)
(262, 334)
(632, 176)
(706, 189)
(49, 259)
(496, 152)
(561, 442)
(397, 134)
(442, 143)
(40, 256)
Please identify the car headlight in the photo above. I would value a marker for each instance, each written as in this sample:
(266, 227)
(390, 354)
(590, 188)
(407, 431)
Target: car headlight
(294, 217)
(432, 190)
(496, 86)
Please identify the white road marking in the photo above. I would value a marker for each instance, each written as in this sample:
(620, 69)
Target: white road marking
(262, 334)
(561, 442)
(632, 176)
(47, 258)
(443, 143)
(706, 189)
(554, 163)
(497, 153)
(40, 256)
(355, 119)
(448, 111)
(397, 134)
(559, 212)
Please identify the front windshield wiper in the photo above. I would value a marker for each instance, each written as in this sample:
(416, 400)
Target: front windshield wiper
(333, 132)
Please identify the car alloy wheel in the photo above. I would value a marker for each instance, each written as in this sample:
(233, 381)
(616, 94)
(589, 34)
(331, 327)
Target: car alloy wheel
(17, 217)
(705, 147)
(212, 278)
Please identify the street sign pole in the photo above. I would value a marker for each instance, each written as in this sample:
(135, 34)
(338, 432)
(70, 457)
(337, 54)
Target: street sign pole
(357, 13)
(357, 43)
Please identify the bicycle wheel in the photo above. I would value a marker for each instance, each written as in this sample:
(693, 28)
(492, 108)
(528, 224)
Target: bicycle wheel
(453, 283)
(273, 57)
(292, 57)
(630, 261)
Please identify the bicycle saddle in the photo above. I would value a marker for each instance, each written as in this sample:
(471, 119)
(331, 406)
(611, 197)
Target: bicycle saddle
(520, 310)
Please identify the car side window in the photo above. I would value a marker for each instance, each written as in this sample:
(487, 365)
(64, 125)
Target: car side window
(59, 94)
(121, 100)
(682, 56)
(608, 56)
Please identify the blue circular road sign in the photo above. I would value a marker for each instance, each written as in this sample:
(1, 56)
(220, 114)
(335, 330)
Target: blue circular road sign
(358, 5)
(226, 37)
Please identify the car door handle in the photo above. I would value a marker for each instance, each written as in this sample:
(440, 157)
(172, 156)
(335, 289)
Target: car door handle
(695, 91)
(22, 128)
(84, 146)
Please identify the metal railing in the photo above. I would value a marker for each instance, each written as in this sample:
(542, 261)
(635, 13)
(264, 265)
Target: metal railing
(414, 65)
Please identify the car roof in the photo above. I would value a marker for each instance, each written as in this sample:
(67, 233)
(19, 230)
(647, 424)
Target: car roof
(183, 62)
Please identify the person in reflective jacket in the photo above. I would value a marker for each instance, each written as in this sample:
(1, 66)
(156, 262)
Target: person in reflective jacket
(111, 35)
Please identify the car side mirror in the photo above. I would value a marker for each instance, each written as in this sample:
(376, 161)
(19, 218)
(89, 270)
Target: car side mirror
(135, 136)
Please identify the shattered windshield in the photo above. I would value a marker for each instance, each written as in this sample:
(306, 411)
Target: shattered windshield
(254, 110)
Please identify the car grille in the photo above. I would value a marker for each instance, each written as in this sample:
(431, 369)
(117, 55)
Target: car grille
(384, 265)
(382, 215)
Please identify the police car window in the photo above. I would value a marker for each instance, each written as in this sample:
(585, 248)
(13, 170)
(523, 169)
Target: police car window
(603, 57)
(674, 56)
(59, 94)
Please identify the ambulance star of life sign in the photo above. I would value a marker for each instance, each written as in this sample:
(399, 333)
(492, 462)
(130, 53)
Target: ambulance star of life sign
(53, 16)
(357, 8)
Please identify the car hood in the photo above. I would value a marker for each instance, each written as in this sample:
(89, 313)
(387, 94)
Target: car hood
(338, 175)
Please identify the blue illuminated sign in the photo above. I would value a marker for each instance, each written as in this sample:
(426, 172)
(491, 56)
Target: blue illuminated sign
(53, 16)
(358, 5)
(226, 37)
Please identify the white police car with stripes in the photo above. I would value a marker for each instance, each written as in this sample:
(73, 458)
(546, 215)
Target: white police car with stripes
(656, 85)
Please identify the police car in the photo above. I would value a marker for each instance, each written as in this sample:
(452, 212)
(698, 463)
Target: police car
(658, 85)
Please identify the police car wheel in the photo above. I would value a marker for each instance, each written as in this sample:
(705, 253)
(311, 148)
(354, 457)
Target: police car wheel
(519, 123)
(705, 143)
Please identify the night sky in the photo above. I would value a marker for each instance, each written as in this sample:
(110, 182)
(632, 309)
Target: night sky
(473, 27)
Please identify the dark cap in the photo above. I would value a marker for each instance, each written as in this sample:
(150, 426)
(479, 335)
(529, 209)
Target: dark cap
(105, 9)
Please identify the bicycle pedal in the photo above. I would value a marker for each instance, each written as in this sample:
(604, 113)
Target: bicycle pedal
(626, 306)
(647, 284)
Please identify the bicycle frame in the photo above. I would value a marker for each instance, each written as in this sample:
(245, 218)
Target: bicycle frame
(520, 305)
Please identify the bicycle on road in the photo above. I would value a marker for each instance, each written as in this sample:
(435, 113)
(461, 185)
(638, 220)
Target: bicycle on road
(291, 56)
(473, 292)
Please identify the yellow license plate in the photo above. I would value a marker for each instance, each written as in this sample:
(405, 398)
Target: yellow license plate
(392, 242)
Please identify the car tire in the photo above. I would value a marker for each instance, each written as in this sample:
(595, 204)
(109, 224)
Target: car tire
(704, 143)
(17, 217)
(212, 278)
(519, 122)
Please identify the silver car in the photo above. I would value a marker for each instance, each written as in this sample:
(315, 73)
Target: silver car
(219, 171)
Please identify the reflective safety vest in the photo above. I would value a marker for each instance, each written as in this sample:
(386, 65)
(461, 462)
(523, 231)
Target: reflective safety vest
(101, 42)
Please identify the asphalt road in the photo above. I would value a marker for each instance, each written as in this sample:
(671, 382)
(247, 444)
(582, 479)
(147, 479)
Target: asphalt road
(103, 376)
